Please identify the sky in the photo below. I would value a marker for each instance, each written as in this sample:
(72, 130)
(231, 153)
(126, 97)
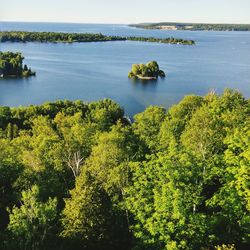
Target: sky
(126, 11)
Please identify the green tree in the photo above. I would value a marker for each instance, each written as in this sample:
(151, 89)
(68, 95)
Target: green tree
(109, 163)
(101, 189)
(25, 67)
(153, 68)
(176, 120)
(77, 139)
(5, 116)
(144, 70)
(231, 203)
(163, 198)
(32, 224)
(136, 69)
(88, 217)
(104, 114)
(10, 169)
(41, 152)
(147, 126)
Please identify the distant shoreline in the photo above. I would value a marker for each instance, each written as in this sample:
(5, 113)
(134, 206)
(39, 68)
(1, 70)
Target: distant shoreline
(193, 26)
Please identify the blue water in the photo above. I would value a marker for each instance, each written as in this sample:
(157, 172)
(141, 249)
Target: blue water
(90, 71)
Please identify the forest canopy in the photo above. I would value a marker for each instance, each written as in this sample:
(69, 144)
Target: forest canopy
(77, 175)
(11, 65)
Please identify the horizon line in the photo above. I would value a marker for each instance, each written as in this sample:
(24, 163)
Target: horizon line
(73, 22)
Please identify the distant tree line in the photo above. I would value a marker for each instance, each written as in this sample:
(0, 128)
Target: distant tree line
(25, 36)
(77, 175)
(195, 26)
(11, 64)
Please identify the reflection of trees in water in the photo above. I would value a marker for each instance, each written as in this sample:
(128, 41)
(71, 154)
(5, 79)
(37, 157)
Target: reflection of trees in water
(143, 82)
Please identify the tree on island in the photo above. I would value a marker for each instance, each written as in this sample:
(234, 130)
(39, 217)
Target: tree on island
(149, 71)
(11, 64)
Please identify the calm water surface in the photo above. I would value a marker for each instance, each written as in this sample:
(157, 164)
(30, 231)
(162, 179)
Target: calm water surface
(91, 71)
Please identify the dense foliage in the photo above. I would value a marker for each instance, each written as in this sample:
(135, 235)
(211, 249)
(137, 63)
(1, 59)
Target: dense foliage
(25, 36)
(195, 26)
(11, 64)
(170, 40)
(150, 70)
(80, 176)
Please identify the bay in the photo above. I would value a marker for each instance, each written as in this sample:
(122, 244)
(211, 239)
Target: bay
(92, 71)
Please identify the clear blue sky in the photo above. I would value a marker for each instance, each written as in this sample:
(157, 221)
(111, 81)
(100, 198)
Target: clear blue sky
(126, 11)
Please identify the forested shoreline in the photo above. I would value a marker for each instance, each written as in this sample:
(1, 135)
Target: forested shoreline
(77, 175)
(56, 37)
(11, 65)
(194, 26)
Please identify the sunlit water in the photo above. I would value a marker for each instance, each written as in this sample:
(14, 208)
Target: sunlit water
(91, 71)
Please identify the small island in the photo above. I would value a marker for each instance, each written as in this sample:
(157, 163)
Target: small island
(11, 65)
(149, 71)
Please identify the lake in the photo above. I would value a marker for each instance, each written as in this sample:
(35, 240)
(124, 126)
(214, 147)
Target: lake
(91, 71)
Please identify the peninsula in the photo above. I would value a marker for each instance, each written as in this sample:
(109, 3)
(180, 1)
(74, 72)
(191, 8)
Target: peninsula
(149, 71)
(11, 65)
(58, 37)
